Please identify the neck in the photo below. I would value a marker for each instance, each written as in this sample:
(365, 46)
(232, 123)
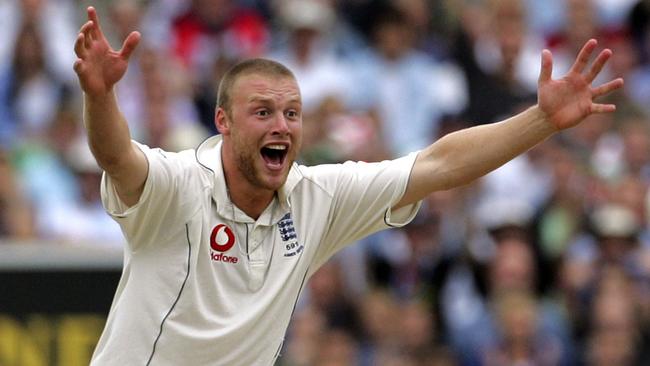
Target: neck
(251, 203)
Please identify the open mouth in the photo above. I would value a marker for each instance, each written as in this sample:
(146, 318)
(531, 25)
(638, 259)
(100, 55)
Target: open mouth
(274, 155)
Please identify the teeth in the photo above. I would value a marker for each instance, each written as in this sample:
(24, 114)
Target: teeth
(276, 147)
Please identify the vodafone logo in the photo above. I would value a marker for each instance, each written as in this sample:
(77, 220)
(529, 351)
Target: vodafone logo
(222, 238)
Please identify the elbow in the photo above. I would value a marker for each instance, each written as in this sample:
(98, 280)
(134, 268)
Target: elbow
(446, 169)
(111, 162)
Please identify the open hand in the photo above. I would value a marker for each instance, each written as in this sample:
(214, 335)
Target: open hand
(98, 66)
(569, 100)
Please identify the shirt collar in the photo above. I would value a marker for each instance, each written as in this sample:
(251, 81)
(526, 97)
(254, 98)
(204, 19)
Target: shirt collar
(208, 155)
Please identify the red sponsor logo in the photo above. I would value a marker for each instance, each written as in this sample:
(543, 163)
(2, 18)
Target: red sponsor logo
(222, 243)
(221, 240)
(220, 257)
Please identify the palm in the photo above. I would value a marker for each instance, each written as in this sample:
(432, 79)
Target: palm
(567, 101)
(98, 66)
(105, 68)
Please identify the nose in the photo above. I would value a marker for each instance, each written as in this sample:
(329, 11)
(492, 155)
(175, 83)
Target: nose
(280, 125)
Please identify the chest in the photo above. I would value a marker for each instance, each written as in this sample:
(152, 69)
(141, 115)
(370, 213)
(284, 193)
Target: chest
(251, 258)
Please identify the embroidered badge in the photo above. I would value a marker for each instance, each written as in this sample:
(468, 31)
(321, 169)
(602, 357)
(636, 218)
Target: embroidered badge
(289, 237)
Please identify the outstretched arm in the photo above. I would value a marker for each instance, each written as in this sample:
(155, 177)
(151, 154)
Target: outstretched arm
(463, 156)
(99, 68)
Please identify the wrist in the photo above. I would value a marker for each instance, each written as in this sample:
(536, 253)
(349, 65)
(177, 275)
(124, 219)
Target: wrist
(544, 120)
(99, 97)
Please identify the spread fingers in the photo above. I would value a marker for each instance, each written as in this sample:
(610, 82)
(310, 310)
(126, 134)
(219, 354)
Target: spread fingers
(607, 87)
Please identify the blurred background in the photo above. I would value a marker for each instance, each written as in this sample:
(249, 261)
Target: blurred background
(545, 261)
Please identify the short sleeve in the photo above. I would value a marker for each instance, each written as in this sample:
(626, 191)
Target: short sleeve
(363, 197)
(159, 204)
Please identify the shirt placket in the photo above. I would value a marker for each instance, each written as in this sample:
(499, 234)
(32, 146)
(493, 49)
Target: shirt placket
(257, 259)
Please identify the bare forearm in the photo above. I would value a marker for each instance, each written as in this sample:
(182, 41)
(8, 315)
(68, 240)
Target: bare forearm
(466, 155)
(110, 142)
(108, 132)
(463, 156)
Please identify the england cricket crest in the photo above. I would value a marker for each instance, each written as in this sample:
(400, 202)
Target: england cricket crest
(289, 237)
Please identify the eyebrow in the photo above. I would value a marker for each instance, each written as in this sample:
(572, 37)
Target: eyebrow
(260, 98)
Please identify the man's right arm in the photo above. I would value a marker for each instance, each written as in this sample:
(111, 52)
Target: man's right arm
(99, 68)
(110, 143)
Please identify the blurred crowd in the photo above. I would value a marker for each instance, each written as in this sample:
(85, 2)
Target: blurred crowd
(545, 261)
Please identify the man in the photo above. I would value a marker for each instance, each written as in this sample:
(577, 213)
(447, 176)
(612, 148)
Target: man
(222, 239)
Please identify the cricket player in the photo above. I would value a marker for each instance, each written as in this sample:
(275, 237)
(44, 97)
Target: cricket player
(222, 238)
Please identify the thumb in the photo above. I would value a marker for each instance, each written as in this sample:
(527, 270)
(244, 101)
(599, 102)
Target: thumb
(129, 45)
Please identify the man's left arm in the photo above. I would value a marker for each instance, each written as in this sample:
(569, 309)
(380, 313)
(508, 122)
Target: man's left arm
(463, 156)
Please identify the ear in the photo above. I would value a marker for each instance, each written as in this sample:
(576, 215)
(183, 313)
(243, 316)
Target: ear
(222, 121)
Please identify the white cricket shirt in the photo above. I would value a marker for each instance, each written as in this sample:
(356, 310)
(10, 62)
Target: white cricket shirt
(203, 283)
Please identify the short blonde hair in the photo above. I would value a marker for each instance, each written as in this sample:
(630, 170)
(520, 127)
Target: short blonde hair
(250, 66)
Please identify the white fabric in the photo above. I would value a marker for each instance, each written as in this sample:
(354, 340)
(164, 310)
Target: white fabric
(180, 303)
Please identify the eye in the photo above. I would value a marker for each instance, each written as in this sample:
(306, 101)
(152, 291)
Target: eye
(262, 113)
(292, 114)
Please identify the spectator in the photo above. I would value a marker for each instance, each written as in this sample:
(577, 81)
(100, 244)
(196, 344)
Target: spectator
(310, 52)
(581, 24)
(615, 245)
(305, 336)
(519, 341)
(30, 91)
(54, 23)
(335, 134)
(615, 333)
(638, 23)
(91, 223)
(338, 347)
(160, 106)
(48, 181)
(327, 294)
(418, 330)
(495, 54)
(636, 148)
(514, 266)
(169, 116)
(394, 79)
(16, 221)
(208, 37)
(560, 218)
(380, 336)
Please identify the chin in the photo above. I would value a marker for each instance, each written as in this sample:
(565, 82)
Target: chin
(274, 182)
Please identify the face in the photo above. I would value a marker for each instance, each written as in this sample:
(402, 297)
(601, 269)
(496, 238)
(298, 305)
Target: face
(263, 132)
(513, 267)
